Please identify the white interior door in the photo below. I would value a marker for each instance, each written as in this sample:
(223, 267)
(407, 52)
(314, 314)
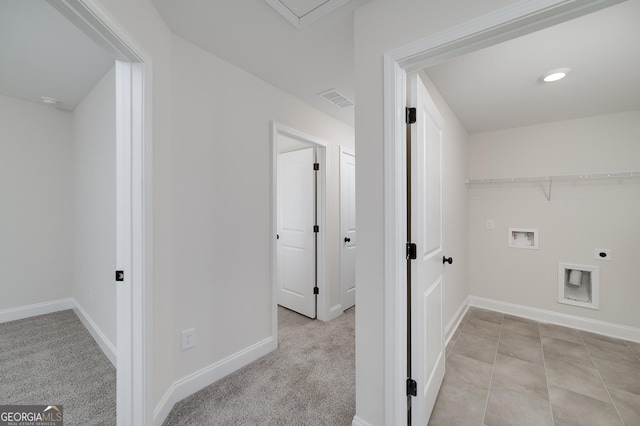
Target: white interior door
(296, 242)
(348, 227)
(427, 340)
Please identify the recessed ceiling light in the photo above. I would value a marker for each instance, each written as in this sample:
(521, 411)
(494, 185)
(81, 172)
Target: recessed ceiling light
(49, 101)
(555, 75)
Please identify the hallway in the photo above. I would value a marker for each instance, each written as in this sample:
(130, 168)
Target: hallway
(308, 380)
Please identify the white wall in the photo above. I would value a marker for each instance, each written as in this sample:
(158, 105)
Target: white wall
(381, 26)
(94, 195)
(581, 216)
(36, 191)
(221, 182)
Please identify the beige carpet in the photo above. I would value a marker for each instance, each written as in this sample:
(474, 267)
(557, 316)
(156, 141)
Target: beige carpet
(52, 360)
(308, 380)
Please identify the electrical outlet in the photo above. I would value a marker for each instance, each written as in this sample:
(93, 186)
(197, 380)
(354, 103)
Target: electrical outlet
(188, 338)
(491, 224)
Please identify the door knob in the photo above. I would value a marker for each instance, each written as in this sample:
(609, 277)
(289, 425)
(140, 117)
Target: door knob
(347, 239)
(448, 260)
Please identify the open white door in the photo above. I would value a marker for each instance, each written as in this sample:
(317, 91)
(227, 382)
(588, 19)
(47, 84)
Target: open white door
(427, 340)
(296, 244)
(348, 227)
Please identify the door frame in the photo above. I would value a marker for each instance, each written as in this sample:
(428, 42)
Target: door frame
(322, 154)
(133, 69)
(505, 24)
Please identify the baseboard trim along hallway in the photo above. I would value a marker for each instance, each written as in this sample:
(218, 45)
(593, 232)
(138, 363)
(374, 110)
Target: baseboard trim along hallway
(192, 383)
(357, 421)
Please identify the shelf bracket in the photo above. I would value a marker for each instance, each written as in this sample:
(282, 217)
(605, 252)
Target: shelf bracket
(548, 194)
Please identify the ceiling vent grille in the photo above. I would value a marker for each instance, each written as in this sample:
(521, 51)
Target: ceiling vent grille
(336, 98)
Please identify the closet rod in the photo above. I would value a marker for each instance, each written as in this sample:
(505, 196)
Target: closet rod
(578, 176)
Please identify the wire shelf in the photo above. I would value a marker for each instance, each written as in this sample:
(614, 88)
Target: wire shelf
(578, 176)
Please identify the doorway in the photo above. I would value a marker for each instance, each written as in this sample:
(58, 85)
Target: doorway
(299, 222)
(502, 25)
(133, 206)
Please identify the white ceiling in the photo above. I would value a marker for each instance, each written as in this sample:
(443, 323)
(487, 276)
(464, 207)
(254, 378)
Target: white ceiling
(494, 88)
(302, 7)
(499, 87)
(304, 12)
(42, 54)
(253, 36)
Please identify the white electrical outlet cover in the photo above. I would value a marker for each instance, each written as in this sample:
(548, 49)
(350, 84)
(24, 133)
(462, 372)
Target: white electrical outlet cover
(188, 339)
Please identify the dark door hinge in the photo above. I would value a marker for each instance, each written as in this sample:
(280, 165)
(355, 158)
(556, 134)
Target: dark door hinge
(316, 290)
(411, 115)
(316, 228)
(412, 251)
(316, 166)
(119, 275)
(412, 387)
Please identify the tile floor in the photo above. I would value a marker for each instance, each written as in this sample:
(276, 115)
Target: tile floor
(506, 370)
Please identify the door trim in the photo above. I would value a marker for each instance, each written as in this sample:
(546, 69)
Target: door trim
(133, 206)
(322, 150)
(505, 24)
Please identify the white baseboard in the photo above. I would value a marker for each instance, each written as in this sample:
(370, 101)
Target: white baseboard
(101, 339)
(200, 379)
(335, 312)
(455, 321)
(542, 315)
(22, 312)
(357, 421)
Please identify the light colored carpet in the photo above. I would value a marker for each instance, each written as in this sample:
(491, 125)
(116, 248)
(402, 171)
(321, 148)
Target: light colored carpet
(53, 360)
(308, 380)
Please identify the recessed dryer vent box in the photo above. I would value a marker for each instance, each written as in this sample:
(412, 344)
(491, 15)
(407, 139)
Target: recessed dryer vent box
(579, 285)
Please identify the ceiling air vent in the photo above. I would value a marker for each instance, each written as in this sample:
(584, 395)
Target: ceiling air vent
(336, 98)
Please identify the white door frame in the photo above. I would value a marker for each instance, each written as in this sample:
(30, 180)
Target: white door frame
(133, 207)
(323, 183)
(505, 24)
